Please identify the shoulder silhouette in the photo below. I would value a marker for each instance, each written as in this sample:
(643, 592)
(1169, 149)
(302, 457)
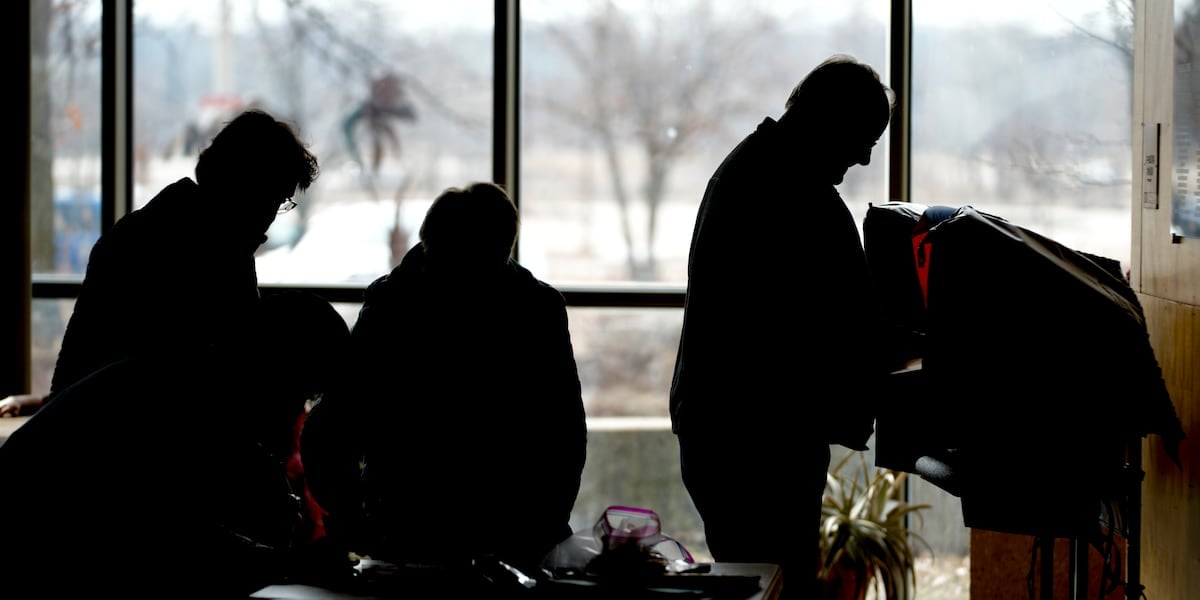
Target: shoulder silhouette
(760, 388)
(463, 400)
(178, 274)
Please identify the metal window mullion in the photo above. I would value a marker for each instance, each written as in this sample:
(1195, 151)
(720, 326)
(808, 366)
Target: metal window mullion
(116, 96)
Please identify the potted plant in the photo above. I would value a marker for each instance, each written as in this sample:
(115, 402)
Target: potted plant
(865, 539)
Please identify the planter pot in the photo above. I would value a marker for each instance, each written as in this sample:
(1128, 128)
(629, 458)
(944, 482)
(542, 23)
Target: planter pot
(842, 583)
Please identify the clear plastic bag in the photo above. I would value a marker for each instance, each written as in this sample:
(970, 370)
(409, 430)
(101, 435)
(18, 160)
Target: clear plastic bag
(625, 540)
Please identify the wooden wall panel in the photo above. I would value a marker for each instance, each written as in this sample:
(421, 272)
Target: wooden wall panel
(1139, 118)
(1163, 266)
(1171, 493)
(1167, 278)
(1169, 270)
(1004, 566)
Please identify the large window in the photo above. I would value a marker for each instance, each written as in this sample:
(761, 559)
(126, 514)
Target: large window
(395, 99)
(1022, 109)
(64, 161)
(627, 107)
(606, 119)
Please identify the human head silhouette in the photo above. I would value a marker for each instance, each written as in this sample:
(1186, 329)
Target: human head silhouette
(253, 165)
(294, 349)
(470, 228)
(843, 107)
(302, 336)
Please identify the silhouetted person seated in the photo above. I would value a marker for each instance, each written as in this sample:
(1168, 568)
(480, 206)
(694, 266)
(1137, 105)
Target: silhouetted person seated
(179, 272)
(182, 491)
(463, 402)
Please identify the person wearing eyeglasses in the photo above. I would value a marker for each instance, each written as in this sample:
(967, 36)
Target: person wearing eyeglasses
(255, 163)
(178, 274)
(765, 382)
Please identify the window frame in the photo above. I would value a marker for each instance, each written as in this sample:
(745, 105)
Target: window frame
(116, 160)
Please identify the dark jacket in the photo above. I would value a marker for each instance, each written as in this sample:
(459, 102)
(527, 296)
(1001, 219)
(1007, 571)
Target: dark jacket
(798, 355)
(466, 400)
(166, 279)
(178, 497)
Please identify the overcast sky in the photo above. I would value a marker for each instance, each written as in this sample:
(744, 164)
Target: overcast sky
(1043, 14)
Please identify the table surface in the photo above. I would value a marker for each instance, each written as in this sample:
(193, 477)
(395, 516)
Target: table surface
(769, 587)
(9, 425)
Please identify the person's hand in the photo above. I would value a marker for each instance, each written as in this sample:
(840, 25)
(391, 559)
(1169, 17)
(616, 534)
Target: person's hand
(18, 404)
(9, 407)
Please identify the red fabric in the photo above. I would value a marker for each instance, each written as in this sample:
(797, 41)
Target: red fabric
(313, 525)
(921, 251)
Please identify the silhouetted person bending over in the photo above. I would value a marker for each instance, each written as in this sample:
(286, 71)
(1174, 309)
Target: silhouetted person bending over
(184, 492)
(464, 402)
(765, 382)
(178, 275)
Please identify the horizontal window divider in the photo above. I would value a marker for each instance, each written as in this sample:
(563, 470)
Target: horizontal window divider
(612, 296)
(349, 293)
(52, 286)
(55, 287)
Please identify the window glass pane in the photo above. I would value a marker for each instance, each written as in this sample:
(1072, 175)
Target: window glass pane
(1185, 189)
(64, 134)
(1022, 109)
(394, 98)
(349, 311)
(625, 359)
(628, 107)
(48, 322)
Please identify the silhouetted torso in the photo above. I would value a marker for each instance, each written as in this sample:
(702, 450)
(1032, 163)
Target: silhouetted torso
(182, 498)
(468, 400)
(167, 278)
(768, 220)
(782, 353)
(165, 475)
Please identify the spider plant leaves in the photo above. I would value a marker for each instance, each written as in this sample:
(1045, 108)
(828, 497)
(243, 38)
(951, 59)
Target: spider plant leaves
(864, 527)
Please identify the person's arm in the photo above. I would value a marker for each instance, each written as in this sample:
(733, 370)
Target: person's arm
(561, 401)
(19, 405)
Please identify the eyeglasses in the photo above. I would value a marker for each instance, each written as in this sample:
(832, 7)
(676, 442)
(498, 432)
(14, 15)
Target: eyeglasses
(287, 205)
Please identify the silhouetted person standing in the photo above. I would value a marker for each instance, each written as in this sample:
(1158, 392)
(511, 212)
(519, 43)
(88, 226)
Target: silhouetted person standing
(463, 402)
(766, 379)
(185, 491)
(178, 275)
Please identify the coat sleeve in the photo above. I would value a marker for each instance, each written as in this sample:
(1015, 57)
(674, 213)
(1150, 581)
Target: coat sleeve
(565, 421)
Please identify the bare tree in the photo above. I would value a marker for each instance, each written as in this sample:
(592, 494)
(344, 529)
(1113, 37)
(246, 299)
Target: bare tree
(658, 83)
(64, 117)
(359, 59)
(41, 146)
(1048, 148)
(1120, 38)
